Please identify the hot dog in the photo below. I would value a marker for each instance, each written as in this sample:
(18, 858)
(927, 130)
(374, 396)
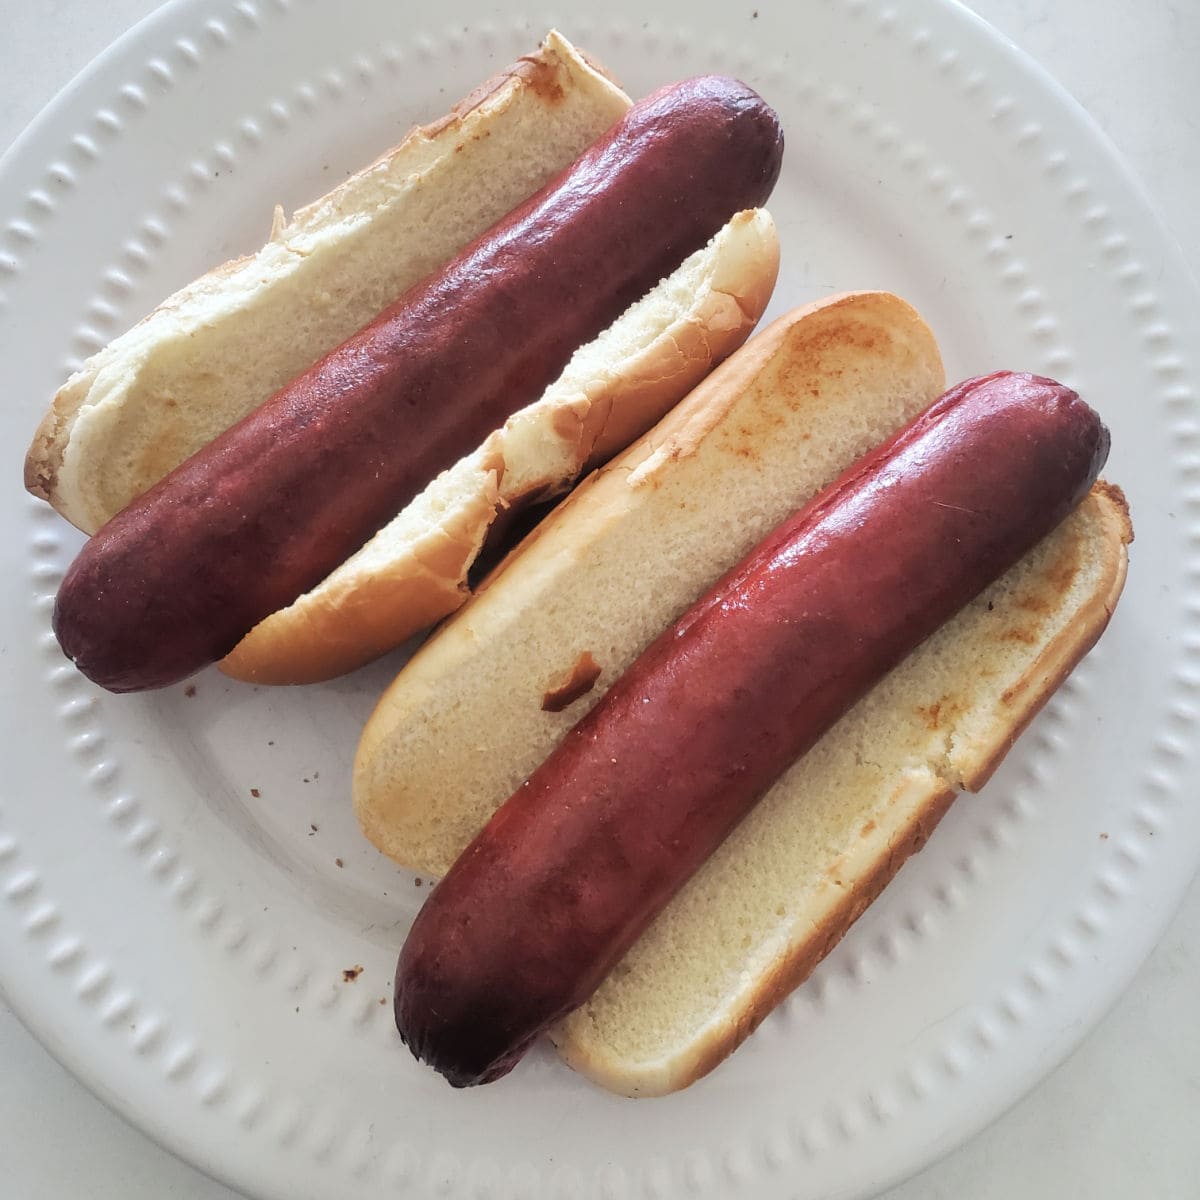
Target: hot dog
(271, 506)
(578, 862)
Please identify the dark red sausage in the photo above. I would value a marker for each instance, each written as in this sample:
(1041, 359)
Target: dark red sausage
(267, 510)
(574, 866)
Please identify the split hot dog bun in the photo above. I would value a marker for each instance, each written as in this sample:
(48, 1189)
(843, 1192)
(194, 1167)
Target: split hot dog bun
(789, 882)
(579, 861)
(218, 348)
(414, 571)
(465, 722)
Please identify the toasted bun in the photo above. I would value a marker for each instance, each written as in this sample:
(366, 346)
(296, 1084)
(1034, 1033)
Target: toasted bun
(464, 722)
(214, 351)
(414, 571)
(819, 847)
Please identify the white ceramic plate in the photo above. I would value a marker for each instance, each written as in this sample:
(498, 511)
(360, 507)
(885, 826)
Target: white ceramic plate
(181, 880)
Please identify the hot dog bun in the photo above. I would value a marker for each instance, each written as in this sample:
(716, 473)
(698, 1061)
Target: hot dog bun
(167, 386)
(215, 350)
(414, 571)
(822, 844)
(464, 722)
(584, 856)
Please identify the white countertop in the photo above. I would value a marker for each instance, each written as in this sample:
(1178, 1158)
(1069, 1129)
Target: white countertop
(1118, 1120)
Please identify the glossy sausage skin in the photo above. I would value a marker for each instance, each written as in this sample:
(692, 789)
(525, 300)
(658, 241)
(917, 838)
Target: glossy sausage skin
(269, 508)
(589, 850)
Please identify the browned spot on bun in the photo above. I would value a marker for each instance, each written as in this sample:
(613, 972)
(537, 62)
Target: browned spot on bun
(578, 682)
(542, 78)
(1117, 496)
(1020, 634)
